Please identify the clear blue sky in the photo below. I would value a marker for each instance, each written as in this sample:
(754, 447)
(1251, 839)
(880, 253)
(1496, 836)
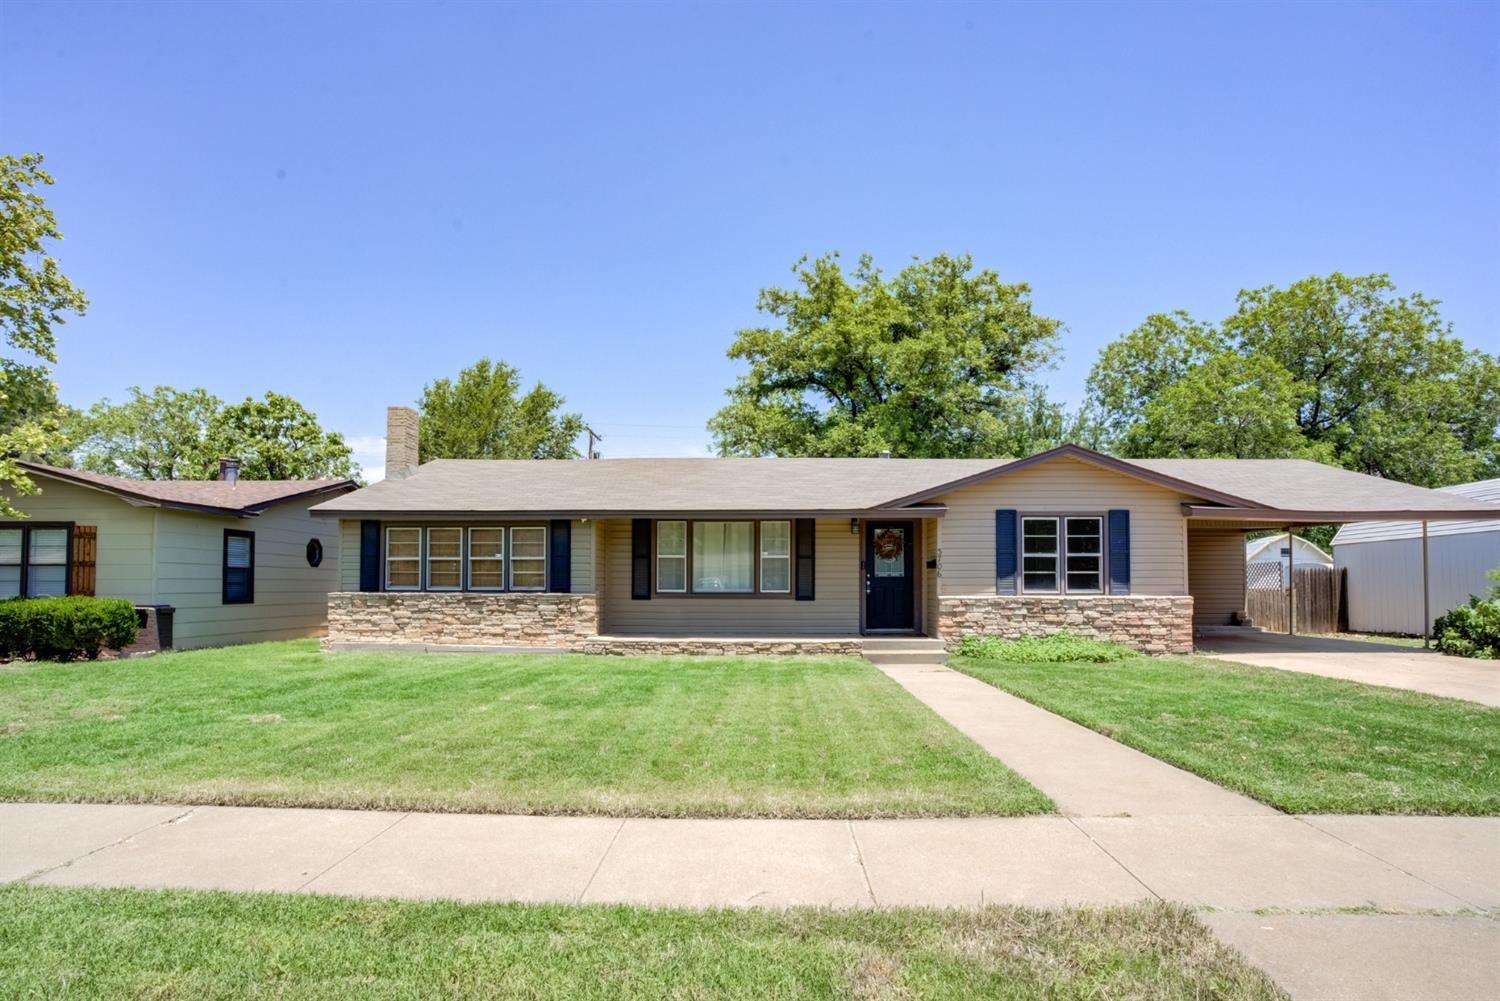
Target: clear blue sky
(342, 202)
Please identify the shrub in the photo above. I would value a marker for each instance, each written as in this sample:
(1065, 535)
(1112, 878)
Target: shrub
(1471, 630)
(1059, 648)
(65, 628)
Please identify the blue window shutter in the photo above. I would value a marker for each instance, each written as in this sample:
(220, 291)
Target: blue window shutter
(640, 559)
(1119, 552)
(806, 530)
(1005, 552)
(560, 569)
(369, 556)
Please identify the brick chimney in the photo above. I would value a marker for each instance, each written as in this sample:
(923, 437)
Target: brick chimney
(400, 442)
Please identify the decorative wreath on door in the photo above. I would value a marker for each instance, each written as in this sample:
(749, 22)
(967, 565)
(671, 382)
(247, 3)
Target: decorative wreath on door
(889, 543)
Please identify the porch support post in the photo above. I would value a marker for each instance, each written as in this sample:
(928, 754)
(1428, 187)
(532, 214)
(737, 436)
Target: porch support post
(1426, 593)
(1291, 584)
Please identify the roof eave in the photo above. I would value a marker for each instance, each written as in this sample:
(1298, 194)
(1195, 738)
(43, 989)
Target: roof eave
(1088, 455)
(922, 512)
(1325, 517)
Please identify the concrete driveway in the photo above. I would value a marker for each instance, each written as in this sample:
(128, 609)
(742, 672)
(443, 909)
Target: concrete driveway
(1373, 663)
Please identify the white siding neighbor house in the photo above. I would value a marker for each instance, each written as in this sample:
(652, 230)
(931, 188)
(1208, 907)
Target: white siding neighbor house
(1272, 550)
(1384, 563)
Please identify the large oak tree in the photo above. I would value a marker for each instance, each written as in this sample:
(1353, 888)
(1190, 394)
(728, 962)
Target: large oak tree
(936, 360)
(1338, 368)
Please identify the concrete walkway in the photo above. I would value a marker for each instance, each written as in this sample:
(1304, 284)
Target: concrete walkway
(1085, 773)
(1387, 665)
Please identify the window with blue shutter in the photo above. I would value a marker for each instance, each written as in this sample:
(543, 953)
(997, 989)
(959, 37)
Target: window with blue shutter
(239, 567)
(1005, 552)
(561, 539)
(640, 559)
(1119, 552)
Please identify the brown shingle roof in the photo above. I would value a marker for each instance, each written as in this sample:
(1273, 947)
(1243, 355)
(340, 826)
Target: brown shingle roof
(218, 496)
(814, 486)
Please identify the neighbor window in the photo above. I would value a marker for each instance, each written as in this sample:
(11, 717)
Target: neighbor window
(44, 551)
(403, 559)
(528, 559)
(1039, 554)
(724, 557)
(445, 552)
(1084, 555)
(487, 559)
(776, 557)
(671, 556)
(239, 567)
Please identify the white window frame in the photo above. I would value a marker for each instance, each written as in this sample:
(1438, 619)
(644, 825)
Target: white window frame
(20, 563)
(1056, 554)
(503, 559)
(512, 560)
(766, 557)
(681, 557)
(754, 549)
(1068, 554)
(402, 559)
(427, 558)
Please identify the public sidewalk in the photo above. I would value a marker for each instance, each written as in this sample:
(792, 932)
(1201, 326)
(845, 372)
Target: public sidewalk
(1404, 864)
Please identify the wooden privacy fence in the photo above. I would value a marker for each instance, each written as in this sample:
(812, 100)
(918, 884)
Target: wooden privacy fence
(1317, 598)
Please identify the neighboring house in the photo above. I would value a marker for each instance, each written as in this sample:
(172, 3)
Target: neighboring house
(699, 555)
(1384, 563)
(1272, 551)
(209, 561)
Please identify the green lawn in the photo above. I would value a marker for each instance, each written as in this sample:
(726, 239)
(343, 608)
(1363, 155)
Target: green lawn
(282, 723)
(1299, 742)
(187, 944)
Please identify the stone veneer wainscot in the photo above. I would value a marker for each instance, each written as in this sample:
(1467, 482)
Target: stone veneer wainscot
(1149, 623)
(469, 618)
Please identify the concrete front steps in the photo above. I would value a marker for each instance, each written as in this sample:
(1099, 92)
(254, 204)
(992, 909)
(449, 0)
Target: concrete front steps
(893, 651)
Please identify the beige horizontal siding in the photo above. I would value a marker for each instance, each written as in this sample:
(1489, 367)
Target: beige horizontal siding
(291, 598)
(1158, 544)
(349, 532)
(124, 557)
(582, 557)
(1216, 573)
(833, 612)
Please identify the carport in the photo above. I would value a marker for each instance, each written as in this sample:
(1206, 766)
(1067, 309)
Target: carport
(1257, 494)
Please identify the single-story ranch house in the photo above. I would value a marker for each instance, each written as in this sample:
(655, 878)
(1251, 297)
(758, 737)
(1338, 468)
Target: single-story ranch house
(704, 555)
(207, 562)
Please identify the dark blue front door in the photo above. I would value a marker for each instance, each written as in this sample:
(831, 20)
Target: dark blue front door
(888, 575)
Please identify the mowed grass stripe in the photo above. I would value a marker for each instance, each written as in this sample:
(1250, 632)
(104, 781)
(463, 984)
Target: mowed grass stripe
(1302, 743)
(284, 724)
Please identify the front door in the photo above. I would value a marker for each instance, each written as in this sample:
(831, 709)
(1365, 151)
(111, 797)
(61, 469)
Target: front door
(888, 575)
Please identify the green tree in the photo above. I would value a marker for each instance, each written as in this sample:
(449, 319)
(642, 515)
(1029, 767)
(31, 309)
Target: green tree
(936, 361)
(277, 438)
(481, 415)
(1370, 380)
(35, 297)
(161, 435)
(1229, 407)
(173, 434)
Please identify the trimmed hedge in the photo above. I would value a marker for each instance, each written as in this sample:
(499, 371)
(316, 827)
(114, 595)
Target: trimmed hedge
(65, 628)
(1058, 648)
(1471, 630)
